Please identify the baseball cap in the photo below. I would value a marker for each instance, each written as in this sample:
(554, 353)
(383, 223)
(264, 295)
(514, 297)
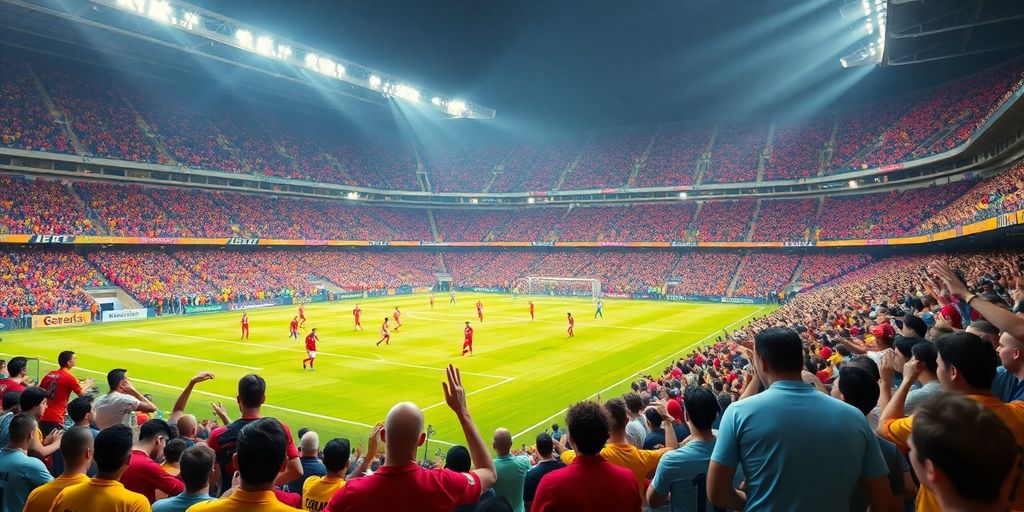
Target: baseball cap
(950, 312)
(884, 331)
(675, 410)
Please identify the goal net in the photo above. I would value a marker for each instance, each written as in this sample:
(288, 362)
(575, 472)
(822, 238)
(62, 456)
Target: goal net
(565, 286)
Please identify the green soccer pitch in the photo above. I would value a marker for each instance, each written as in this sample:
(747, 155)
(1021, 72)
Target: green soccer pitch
(522, 377)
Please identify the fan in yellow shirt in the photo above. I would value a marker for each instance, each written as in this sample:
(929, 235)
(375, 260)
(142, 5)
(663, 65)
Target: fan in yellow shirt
(105, 492)
(318, 491)
(76, 448)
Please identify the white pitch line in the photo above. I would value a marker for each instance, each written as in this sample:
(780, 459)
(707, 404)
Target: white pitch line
(187, 358)
(272, 347)
(229, 398)
(481, 390)
(633, 375)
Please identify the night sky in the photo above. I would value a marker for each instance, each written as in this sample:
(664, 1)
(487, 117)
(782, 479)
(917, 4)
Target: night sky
(598, 63)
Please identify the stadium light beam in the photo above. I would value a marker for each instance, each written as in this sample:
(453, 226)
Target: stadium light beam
(244, 38)
(264, 46)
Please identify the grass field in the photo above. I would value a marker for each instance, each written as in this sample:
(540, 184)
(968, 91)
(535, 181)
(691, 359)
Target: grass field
(522, 376)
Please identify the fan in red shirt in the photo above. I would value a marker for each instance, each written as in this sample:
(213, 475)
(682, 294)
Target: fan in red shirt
(302, 315)
(355, 314)
(398, 318)
(480, 310)
(531, 310)
(17, 369)
(144, 475)
(572, 322)
(59, 384)
(245, 327)
(311, 340)
(385, 336)
(467, 343)
(293, 329)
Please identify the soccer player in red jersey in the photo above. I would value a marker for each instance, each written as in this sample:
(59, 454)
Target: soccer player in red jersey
(572, 322)
(467, 343)
(302, 314)
(431, 301)
(355, 314)
(293, 329)
(480, 310)
(59, 384)
(385, 336)
(398, 318)
(245, 326)
(531, 310)
(311, 340)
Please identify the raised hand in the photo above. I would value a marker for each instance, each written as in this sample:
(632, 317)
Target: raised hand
(454, 394)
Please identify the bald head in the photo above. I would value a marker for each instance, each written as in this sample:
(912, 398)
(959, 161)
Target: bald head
(502, 441)
(187, 425)
(403, 432)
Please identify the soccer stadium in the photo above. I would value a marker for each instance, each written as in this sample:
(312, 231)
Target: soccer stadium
(455, 256)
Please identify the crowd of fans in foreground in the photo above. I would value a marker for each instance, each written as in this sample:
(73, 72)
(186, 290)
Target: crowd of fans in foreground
(912, 377)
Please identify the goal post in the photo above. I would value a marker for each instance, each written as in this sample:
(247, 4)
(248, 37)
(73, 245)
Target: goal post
(564, 286)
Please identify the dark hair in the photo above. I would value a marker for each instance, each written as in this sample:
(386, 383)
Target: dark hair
(251, 390)
(12, 399)
(22, 427)
(653, 416)
(973, 357)
(633, 402)
(302, 432)
(261, 449)
(589, 426)
(115, 377)
(336, 454)
(985, 327)
(701, 406)
(457, 459)
(864, 363)
(32, 397)
(74, 443)
(175, 447)
(79, 408)
(968, 443)
(859, 389)
(495, 504)
(781, 348)
(554, 427)
(153, 428)
(16, 365)
(545, 445)
(616, 408)
(113, 448)
(196, 466)
(916, 324)
(905, 345)
(927, 354)
(64, 358)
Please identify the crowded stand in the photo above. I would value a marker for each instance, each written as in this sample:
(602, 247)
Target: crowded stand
(736, 151)
(672, 159)
(462, 168)
(724, 221)
(151, 276)
(537, 166)
(38, 206)
(25, 122)
(797, 148)
(489, 268)
(785, 220)
(365, 270)
(1002, 193)
(704, 273)
(249, 275)
(373, 160)
(883, 215)
(858, 132)
(765, 277)
(607, 159)
(817, 269)
(36, 281)
(470, 225)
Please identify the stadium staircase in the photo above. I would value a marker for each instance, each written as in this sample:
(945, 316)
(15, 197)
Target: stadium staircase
(421, 171)
(705, 159)
(641, 162)
(497, 171)
(572, 165)
(696, 214)
(828, 151)
(736, 276)
(441, 264)
(935, 138)
(796, 273)
(99, 226)
(766, 152)
(325, 284)
(151, 134)
(753, 222)
(433, 225)
(115, 292)
(57, 114)
(331, 160)
(230, 148)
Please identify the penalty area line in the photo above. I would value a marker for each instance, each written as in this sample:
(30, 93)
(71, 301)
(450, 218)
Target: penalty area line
(471, 393)
(187, 358)
(671, 356)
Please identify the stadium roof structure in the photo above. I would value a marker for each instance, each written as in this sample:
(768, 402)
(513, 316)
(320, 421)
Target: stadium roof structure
(188, 39)
(923, 31)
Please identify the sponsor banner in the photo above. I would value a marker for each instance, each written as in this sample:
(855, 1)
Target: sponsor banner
(52, 239)
(158, 240)
(640, 295)
(739, 300)
(1007, 219)
(61, 320)
(243, 241)
(682, 243)
(205, 308)
(376, 293)
(429, 243)
(15, 239)
(6, 324)
(980, 226)
(542, 244)
(878, 241)
(614, 244)
(348, 295)
(480, 289)
(379, 242)
(257, 303)
(403, 290)
(798, 243)
(614, 295)
(122, 315)
(890, 168)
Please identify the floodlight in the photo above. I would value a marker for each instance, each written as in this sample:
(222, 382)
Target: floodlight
(353, 195)
(264, 46)
(473, 201)
(190, 20)
(374, 81)
(339, 71)
(530, 200)
(407, 92)
(244, 38)
(456, 107)
(436, 101)
(284, 51)
(853, 184)
(325, 66)
(160, 10)
(682, 195)
(311, 60)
